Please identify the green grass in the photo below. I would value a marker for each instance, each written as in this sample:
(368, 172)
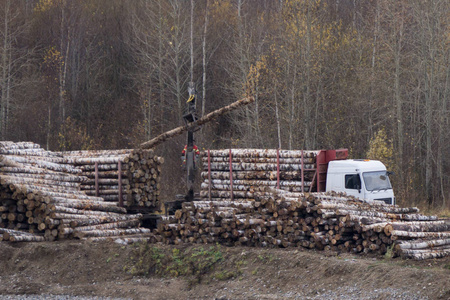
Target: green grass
(195, 262)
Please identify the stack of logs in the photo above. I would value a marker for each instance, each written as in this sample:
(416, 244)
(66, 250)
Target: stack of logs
(131, 177)
(321, 221)
(41, 199)
(246, 173)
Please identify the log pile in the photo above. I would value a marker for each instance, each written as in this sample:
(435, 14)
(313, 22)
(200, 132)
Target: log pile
(131, 177)
(246, 173)
(41, 199)
(320, 221)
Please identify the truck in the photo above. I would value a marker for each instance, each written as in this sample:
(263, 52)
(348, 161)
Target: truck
(362, 178)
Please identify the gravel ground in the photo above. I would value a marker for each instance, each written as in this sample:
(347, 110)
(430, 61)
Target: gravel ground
(78, 270)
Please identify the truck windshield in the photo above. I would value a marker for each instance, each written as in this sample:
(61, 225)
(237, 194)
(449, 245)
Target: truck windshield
(378, 180)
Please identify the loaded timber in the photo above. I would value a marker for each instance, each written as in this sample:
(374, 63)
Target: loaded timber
(253, 197)
(43, 197)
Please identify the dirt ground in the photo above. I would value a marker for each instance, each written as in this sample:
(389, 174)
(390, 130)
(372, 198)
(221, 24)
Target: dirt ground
(76, 268)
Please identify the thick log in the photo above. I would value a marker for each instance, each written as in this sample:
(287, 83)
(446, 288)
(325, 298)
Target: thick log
(237, 167)
(124, 240)
(407, 234)
(7, 145)
(264, 160)
(40, 174)
(37, 181)
(50, 163)
(94, 153)
(110, 232)
(426, 254)
(29, 152)
(401, 245)
(105, 174)
(104, 219)
(251, 175)
(265, 153)
(103, 167)
(92, 160)
(255, 183)
(367, 207)
(97, 206)
(262, 188)
(205, 119)
(393, 216)
(120, 224)
(105, 181)
(26, 238)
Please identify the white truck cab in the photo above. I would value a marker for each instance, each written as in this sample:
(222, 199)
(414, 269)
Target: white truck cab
(363, 179)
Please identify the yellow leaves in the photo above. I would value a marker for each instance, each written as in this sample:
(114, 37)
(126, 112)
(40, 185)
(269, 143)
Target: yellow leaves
(53, 56)
(73, 135)
(45, 5)
(381, 148)
(254, 75)
(223, 10)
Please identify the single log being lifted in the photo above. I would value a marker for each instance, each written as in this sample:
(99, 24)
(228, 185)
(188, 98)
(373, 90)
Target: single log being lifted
(205, 119)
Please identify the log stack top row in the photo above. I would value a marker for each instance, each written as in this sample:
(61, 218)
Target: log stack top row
(47, 195)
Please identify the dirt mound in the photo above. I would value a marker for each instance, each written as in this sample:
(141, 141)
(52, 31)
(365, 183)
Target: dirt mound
(78, 268)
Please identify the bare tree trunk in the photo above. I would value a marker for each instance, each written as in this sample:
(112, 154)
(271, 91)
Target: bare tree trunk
(192, 41)
(49, 126)
(292, 110)
(399, 22)
(5, 75)
(444, 123)
(205, 31)
(372, 78)
(307, 95)
(160, 69)
(277, 115)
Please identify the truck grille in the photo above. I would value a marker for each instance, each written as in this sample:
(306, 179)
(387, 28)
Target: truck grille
(385, 200)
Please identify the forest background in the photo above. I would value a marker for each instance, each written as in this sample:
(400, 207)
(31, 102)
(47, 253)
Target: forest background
(372, 76)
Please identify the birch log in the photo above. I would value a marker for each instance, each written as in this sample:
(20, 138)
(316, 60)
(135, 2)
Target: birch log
(205, 119)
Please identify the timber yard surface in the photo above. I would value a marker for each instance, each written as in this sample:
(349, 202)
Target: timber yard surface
(85, 270)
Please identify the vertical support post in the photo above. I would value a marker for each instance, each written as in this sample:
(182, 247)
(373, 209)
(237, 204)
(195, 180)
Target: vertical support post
(96, 179)
(120, 184)
(302, 172)
(209, 175)
(278, 168)
(231, 175)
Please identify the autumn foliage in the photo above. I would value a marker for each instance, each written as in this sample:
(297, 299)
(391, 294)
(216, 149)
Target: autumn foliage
(371, 76)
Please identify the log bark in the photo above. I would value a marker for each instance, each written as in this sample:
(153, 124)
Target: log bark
(421, 244)
(111, 232)
(205, 119)
(262, 153)
(400, 233)
(252, 175)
